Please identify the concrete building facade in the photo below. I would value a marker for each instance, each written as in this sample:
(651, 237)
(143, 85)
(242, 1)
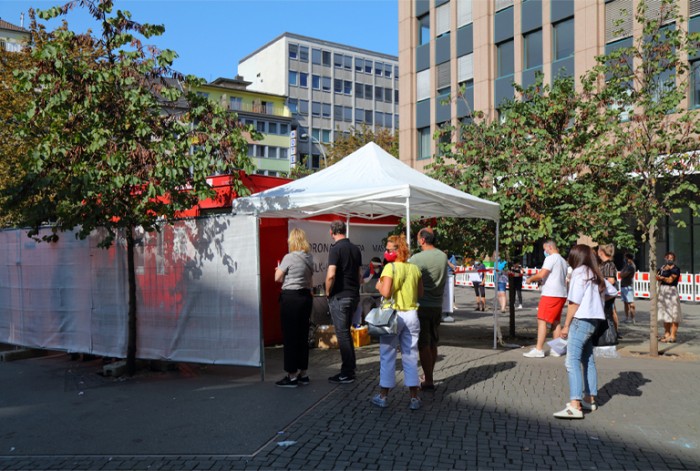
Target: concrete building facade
(330, 88)
(12, 36)
(486, 45)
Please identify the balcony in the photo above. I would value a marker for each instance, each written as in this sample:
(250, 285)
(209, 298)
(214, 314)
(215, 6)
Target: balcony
(260, 108)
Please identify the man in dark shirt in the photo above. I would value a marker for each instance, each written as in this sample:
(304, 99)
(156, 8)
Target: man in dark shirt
(343, 281)
(627, 287)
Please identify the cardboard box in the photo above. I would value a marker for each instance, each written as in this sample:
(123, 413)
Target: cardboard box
(325, 337)
(360, 336)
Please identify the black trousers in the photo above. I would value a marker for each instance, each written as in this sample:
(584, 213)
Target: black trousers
(295, 311)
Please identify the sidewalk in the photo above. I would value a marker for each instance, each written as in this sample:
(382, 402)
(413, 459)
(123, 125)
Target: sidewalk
(492, 410)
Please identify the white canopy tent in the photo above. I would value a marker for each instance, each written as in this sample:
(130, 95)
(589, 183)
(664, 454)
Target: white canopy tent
(369, 183)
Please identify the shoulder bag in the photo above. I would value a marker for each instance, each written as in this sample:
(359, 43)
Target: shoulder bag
(383, 320)
(605, 334)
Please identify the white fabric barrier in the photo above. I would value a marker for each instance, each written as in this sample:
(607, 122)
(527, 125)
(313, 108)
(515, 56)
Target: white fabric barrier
(198, 293)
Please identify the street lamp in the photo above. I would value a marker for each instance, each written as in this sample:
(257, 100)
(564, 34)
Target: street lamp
(320, 146)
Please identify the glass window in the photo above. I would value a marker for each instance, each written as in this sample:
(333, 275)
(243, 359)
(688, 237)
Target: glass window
(304, 107)
(368, 66)
(338, 60)
(337, 112)
(283, 154)
(235, 103)
(325, 135)
(272, 128)
(284, 129)
(326, 84)
(368, 116)
(443, 79)
(347, 114)
(368, 91)
(378, 93)
(442, 20)
(315, 108)
(396, 95)
(396, 121)
(326, 59)
(303, 53)
(379, 118)
(315, 134)
(387, 70)
(423, 85)
(260, 150)
(532, 45)
(293, 78)
(293, 51)
(424, 143)
(316, 56)
(293, 105)
(359, 115)
(387, 95)
(272, 152)
(251, 149)
(326, 110)
(347, 87)
(465, 68)
(505, 58)
(378, 69)
(337, 86)
(695, 84)
(347, 62)
(316, 82)
(424, 29)
(387, 120)
(359, 90)
(303, 79)
(464, 12)
(563, 37)
(359, 65)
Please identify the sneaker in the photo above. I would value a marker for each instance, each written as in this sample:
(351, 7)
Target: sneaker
(448, 319)
(569, 413)
(553, 353)
(303, 380)
(287, 382)
(520, 306)
(380, 401)
(589, 405)
(534, 353)
(341, 379)
(415, 403)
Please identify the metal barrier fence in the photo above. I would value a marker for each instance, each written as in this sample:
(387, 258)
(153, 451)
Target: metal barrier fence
(688, 283)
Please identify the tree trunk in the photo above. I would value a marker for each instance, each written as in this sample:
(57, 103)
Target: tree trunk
(131, 340)
(511, 304)
(653, 291)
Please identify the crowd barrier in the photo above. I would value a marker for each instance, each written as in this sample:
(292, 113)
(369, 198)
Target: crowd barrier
(688, 284)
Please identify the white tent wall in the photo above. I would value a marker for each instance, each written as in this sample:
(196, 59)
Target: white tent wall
(198, 293)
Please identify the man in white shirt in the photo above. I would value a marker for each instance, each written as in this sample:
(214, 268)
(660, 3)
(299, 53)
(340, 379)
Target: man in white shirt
(552, 279)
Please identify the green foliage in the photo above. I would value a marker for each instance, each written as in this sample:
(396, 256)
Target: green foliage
(119, 140)
(346, 144)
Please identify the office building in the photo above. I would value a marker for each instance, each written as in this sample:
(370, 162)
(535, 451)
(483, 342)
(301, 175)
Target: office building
(330, 88)
(486, 45)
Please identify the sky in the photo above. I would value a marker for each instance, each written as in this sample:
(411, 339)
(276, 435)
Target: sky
(212, 36)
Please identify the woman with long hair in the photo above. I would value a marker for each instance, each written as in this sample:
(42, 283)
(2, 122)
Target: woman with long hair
(296, 301)
(587, 291)
(401, 283)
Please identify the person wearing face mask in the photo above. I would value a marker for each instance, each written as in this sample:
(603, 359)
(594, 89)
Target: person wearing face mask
(669, 305)
(552, 279)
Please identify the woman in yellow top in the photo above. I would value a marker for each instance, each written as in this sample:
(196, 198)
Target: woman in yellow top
(400, 281)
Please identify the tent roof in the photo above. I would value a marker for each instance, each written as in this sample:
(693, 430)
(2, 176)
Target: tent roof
(368, 183)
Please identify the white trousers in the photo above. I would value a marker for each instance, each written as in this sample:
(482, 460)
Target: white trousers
(448, 296)
(407, 339)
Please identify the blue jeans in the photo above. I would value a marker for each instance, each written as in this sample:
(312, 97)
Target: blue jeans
(580, 363)
(342, 310)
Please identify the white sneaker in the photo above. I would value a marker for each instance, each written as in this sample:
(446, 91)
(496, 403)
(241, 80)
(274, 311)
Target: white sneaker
(569, 413)
(448, 319)
(520, 306)
(552, 353)
(534, 353)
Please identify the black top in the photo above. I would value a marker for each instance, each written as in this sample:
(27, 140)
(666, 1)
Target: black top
(668, 270)
(627, 274)
(515, 274)
(347, 259)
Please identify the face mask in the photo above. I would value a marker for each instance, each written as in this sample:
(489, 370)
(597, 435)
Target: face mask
(390, 256)
(670, 261)
(546, 254)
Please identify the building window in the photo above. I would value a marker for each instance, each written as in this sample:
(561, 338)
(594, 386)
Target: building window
(315, 108)
(618, 20)
(316, 134)
(293, 51)
(303, 79)
(347, 87)
(387, 70)
(423, 85)
(443, 79)
(303, 53)
(260, 150)
(284, 153)
(347, 62)
(338, 60)
(284, 129)
(326, 58)
(337, 86)
(359, 115)
(563, 37)
(251, 150)
(442, 20)
(396, 96)
(464, 12)
(359, 65)
(695, 84)
(503, 4)
(293, 78)
(293, 105)
(326, 110)
(465, 69)
(303, 107)
(261, 126)
(378, 93)
(326, 84)
(235, 103)
(424, 29)
(424, 143)
(378, 69)
(316, 82)
(325, 135)
(359, 90)
(316, 56)
(387, 95)
(532, 45)
(368, 116)
(368, 91)
(337, 112)
(368, 66)
(272, 128)
(505, 58)
(379, 118)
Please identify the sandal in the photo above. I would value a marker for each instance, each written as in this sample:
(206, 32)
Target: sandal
(427, 387)
(668, 340)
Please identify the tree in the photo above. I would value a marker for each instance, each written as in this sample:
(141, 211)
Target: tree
(119, 140)
(346, 144)
(648, 150)
(528, 163)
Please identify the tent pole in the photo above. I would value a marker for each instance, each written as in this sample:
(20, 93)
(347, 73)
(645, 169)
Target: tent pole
(408, 223)
(347, 227)
(495, 302)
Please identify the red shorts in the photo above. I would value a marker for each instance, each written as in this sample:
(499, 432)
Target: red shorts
(549, 309)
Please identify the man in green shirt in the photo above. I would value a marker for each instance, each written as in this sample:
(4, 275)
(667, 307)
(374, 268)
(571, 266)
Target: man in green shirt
(433, 266)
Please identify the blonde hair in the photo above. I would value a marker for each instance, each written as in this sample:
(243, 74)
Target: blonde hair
(402, 253)
(607, 249)
(297, 241)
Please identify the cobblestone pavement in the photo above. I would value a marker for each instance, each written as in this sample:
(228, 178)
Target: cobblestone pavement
(492, 409)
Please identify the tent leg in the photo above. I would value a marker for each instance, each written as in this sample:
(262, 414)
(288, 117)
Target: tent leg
(408, 223)
(496, 328)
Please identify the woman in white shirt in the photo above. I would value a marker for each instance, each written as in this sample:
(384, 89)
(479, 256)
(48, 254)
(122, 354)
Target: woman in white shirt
(587, 292)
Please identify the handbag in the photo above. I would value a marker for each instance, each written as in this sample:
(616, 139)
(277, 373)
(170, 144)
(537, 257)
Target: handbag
(382, 321)
(605, 334)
